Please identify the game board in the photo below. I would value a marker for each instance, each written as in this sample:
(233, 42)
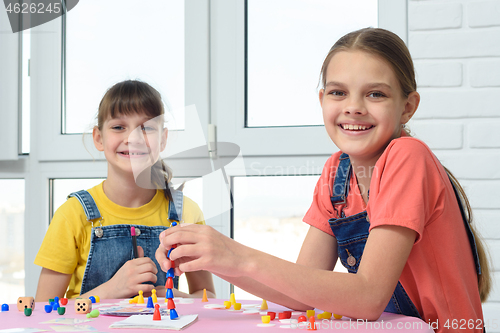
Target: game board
(212, 316)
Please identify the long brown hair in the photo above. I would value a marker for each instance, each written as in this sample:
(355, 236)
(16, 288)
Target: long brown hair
(392, 49)
(130, 97)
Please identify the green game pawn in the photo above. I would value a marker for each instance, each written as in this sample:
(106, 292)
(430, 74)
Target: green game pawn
(93, 314)
(61, 310)
(27, 312)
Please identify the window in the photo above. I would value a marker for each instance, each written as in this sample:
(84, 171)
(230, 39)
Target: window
(12, 239)
(111, 41)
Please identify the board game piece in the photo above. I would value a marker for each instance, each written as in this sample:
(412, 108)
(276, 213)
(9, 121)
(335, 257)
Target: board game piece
(310, 313)
(150, 303)
(266, 319)
(48, 308)
(336, 316)
(92, 299)
(27, 312)
(169, 294)
(134, 300)
(64, 301)
(61, 310)
(140, 300)
(25, 302)
(301, 319)
(157, 314)
(170, 283)
(5, 307)
(237, 306)
(271, 314)
(264, 305)
(232, 299)
(83, 305)
(93, 314)
(173, 314)
(227, 304)
(311, 326)
(153, 295)
(204, 298)
(171, 304)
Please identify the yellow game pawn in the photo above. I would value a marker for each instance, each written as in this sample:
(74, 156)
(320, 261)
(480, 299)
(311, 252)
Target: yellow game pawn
(263, 306)
(204, 298)
(153, 296)
(140, 300)
(232, 299)
(133, 300)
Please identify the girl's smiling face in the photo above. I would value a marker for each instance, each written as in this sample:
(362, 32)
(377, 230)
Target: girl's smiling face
(131, 143)
(363, 104)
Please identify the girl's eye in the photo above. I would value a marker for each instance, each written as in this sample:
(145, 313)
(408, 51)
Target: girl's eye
(117, 127)
(337, 93)
(376, 94)
(147, 128)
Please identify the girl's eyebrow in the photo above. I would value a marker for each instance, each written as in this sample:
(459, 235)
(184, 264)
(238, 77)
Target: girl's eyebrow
(373, 85)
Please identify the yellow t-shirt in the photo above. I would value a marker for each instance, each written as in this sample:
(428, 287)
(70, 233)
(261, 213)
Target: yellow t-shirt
(66, 245)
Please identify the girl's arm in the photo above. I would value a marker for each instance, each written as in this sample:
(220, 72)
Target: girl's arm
(309, 256)
(362, 295)
(51, 284)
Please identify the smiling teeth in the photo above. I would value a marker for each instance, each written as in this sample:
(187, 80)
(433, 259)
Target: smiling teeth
(355, 127)
(133, 153)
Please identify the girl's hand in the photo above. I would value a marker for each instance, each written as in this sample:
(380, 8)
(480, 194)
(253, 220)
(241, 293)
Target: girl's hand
(200, 247)
(128, 280)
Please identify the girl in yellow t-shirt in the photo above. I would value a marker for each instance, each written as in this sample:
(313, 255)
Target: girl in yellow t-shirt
(88, 247)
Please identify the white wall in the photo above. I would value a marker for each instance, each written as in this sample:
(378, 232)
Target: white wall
(455, 45)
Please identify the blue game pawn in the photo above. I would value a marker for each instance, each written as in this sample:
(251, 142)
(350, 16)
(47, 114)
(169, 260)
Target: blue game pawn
(48, 308)
(170, 273)
(169, 251)
(173, 224)
(55, 306)
(5, 307)
(173, 314)
(170, 294)
(150, 303)
(92, 299)
(56, 299)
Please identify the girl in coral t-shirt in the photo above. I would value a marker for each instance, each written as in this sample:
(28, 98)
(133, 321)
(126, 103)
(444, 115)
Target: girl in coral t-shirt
(383, 204)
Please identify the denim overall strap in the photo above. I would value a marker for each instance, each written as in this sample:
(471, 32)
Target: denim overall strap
(175, 206)
(88, 204)
(352, 232)
(470, 235)
(340, 188)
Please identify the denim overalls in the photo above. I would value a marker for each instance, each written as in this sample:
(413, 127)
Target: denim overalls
(351, 233)
(111, 246)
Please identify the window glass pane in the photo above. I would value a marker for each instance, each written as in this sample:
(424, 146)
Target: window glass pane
(11, 239)
(114, 40)
(193, 188)
(268, 217)
(287, 41)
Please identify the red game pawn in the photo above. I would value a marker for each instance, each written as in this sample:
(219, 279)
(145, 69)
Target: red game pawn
(311, 326)
(169, 284)
(170, 304)
(157, 314)
(172, 263)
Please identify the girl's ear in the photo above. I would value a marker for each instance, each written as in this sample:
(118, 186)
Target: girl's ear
(321, 94)
(97, 137)
(164, 136)
(410, 107)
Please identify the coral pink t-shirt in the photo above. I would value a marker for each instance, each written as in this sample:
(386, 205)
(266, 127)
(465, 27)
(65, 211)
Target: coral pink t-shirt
(410, 188)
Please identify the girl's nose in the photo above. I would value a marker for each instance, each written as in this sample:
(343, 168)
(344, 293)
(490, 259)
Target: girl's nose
(135, 136)
(355, 106)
